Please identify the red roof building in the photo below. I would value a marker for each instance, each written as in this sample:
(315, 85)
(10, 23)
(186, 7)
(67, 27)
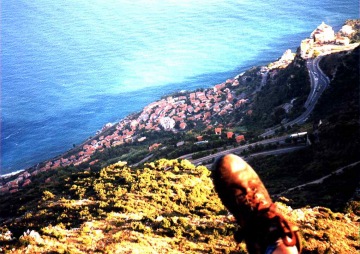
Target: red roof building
(218, 131)
(230, 135)
(154, 146)
(182, 125)
(240, 138)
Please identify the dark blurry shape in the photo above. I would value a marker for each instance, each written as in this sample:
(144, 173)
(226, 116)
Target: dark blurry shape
(263, 227)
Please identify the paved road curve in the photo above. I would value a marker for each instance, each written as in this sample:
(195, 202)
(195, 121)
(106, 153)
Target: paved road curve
(318, 82)
(238, 149)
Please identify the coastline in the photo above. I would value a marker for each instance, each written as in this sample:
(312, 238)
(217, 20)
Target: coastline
(7, 175)
(88, 147)
(33, 170)
(226, 39)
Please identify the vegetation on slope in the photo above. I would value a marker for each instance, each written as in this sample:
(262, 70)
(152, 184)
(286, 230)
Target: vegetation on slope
(340, 102)
(286, 171)
(335, 137)
(168, 206)
(283, 86)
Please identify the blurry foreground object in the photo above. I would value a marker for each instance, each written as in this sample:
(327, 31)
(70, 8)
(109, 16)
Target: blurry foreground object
(263, 228)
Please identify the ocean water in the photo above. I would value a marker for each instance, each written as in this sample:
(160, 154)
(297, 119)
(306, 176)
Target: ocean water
(69, 67)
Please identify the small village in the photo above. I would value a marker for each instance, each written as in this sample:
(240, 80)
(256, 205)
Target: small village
(175, 113)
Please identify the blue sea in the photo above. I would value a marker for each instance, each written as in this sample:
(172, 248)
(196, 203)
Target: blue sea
(69, 67)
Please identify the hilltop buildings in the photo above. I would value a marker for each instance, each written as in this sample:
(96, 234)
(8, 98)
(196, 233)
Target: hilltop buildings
(323, 37)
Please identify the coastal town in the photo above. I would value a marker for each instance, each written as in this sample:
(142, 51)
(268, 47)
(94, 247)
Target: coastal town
(179, 112)
(169, 114)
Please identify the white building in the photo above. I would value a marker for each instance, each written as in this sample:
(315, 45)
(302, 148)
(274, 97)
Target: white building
(323, 33)
(167, 123)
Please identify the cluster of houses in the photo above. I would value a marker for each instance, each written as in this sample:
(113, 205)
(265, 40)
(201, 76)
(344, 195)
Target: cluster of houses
(22, 180)
(177, 112)
(325, 35)
(229, 135)
(173, 112)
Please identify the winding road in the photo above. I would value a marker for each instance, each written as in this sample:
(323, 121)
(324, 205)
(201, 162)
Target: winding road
(318, 83)
(238, 149)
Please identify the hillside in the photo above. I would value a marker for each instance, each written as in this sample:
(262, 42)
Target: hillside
(169, 206)
(129, 199)
(335, 136)
(285, 86)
